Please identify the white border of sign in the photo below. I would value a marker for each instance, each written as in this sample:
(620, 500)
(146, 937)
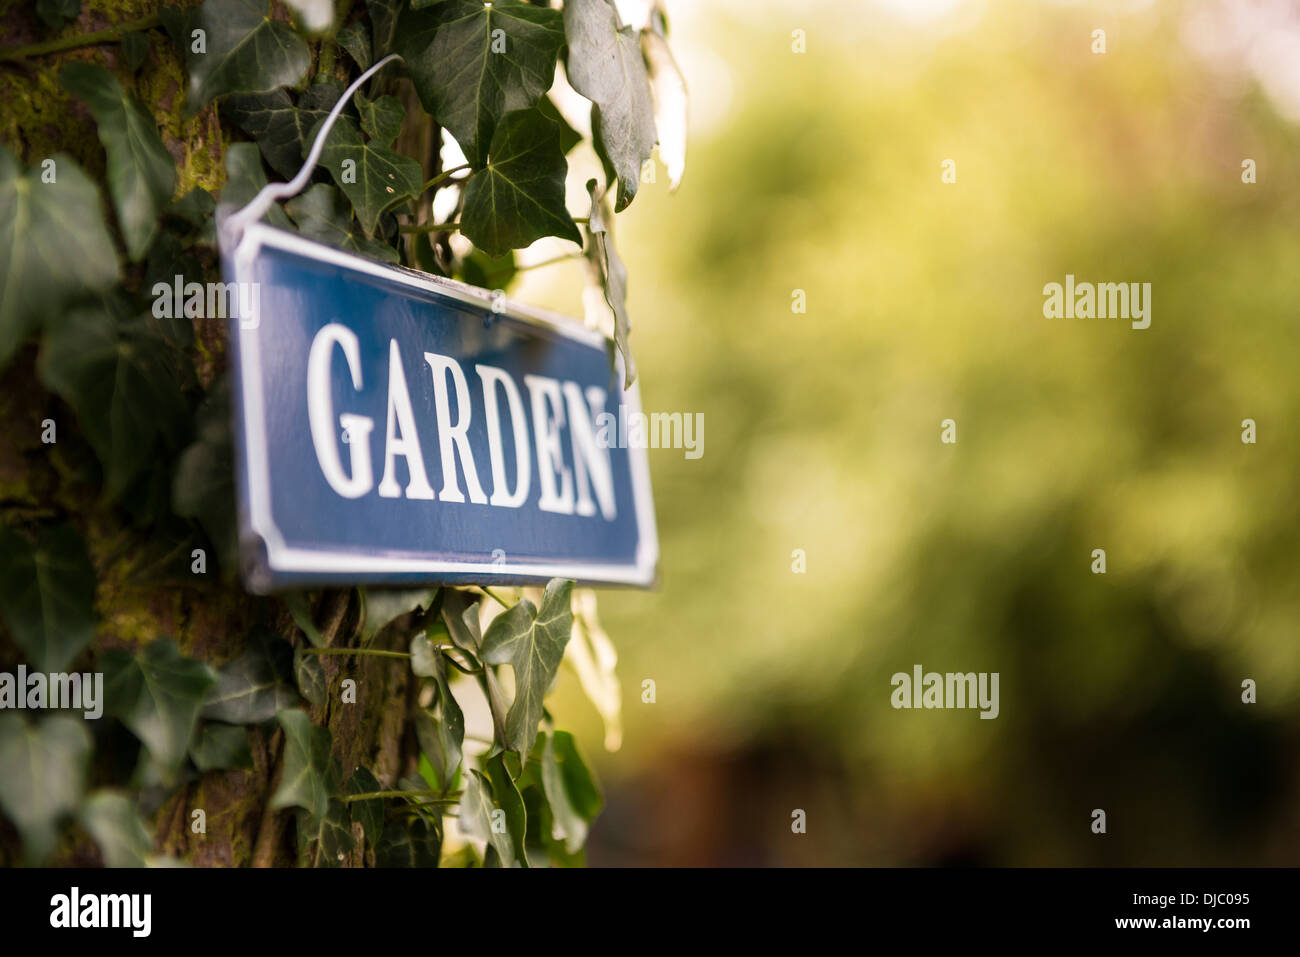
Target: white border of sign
(282, 557)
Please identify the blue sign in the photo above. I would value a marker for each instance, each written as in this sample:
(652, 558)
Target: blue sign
(396, 427)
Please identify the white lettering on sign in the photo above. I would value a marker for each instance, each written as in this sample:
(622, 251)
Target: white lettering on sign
(554, 407)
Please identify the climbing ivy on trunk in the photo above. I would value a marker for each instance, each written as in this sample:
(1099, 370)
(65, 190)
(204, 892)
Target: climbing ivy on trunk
(321, 728)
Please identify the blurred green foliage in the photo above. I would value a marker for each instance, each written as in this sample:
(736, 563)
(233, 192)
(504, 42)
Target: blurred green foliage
(924, 302)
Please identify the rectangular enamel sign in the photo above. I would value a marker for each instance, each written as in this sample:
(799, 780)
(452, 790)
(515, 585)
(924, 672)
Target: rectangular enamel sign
(396, 427)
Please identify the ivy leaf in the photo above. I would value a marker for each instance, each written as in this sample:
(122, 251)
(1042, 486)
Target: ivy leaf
(472, 63)
(607, 272)
(325, 215)
(381, 118)
(370, 813)
(381, 606)
(168, 259)
(158, 695)
(203, 487)
(475, 820)
(355, 39)
(246, 51)
(114, 823)
(593, 657)
(300, 609)
(519, 196)
(279, 127)
(55, 14)
(424, 656)
(605, 64)
(413, 842)
(532, 643)
(383, 25)
(255, 686)
(461, 618)
(135, 48)
(375, 177)
(274, 122)
(42, 776)
(47, 595)
(569, 137)
(245, 179)
(310, 675)
(328, 838)
(44, 226)
(442, 739)
(508, 798)
(480, 269)
(570, 790)
(221, 747)
(123, 381)
(141, 173)
(311, 774)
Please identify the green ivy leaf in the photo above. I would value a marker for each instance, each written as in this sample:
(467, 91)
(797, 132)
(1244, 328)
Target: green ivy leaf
(47, 595)
(55, 14)
(43, 228)
(124, 383)
(141, 173)
(158, 695)
(411, 842)
(204, 487)
(245, 179)
(424, 656)
(509, 800)
(472, 63)
(383, 25)
(114, 823)
(480, 269)
(355, 39)
(310, 674)
(570, 790)
(221, 747)
(532, 643)
(569, 137)
(475, 820)
(255, 686)
(246, 51)
(519, 196)
(382, 606)
(369, 814)
(325, 841)
(311, 773)
(610, 274)
(381, 118)
(461, 618)
(605, 64)
(442, 739)
(135, 49)
(300, 609)
(376, 178)
(325, 215)
(280, 127)
(42, 776)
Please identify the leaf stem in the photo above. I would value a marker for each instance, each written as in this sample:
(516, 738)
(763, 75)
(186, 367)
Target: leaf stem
(110, 35)
(429, 228)
(443, 177)
(377, 652)
(440, 797)
(488, 592)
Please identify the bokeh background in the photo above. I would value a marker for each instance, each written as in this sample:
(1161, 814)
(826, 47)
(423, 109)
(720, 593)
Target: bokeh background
(821, 171)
